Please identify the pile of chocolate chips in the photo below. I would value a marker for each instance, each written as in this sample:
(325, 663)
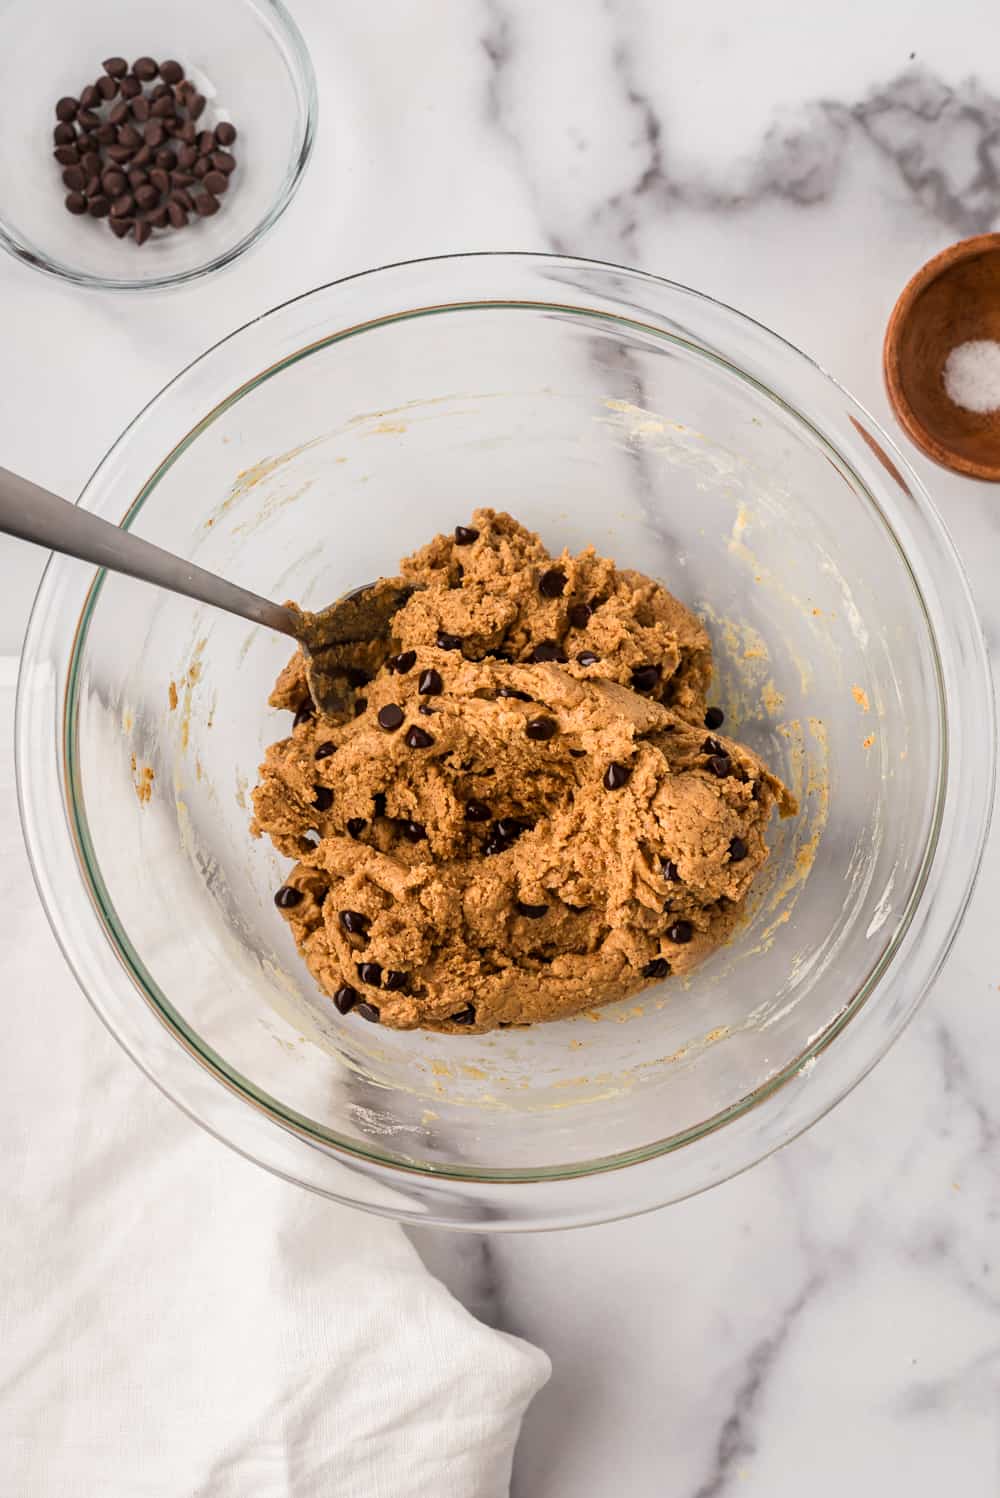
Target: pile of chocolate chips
(131, 150)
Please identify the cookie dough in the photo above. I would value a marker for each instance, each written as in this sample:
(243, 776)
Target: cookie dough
(524, 815)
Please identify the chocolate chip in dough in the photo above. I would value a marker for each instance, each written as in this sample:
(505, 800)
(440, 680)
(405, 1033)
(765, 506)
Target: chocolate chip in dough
(391, 717)
(354, 923)
(288, 897)
(464, 534)
(541, 728)
(345, 998)
(616, 775)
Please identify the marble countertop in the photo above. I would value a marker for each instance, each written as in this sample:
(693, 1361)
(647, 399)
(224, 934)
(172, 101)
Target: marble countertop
(832, 1318)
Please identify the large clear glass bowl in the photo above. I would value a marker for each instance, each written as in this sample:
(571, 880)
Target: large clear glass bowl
(301, 457)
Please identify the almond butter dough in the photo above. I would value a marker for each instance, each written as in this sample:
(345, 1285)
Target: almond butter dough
(496, 876)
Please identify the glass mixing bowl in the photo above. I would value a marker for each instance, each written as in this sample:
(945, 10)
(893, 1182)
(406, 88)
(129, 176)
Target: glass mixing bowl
(302, 457)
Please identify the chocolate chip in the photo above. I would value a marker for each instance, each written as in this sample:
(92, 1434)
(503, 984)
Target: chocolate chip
(357, 677)
(145, 68)
(712, 746)
(720, 765)
(714, 717)
(414, 832)
(645, 678)
(106, 88)
(404, 662)
(393, 980)
(123, 206)
(680, 932)
(115, 182)
(115, 67)
(186, 158)
(288, 897)
(67, 109)
(430, 683)
(378, 802)
(368, 1012)
(533, 912)
(448, 642)
(304, 713)
(738, 850)
(63, 135)
(587, 658)
(370, 973)
(223, 162)
(552, 583)
(356, 826)
(75, 202)
(130, 86)
(418, 738)
(87, 119)
(658, 968)
(578, 753)
(511, 828)
(225, 133)
(74, 178)
(669, 871)
(141, 231)
(119, 226)
(477, 811)
(99, 206)
(354, 923)
(67, 156)
(171, 72)
(175, 213)
(616, 775)
(428, 712)
(512, 692)
(154, 134)
(466, 1016)
(541, 728)
(547, 650)
(323, 799)
(391, 717)
(464, 534)
(579, 615)
(345, 998)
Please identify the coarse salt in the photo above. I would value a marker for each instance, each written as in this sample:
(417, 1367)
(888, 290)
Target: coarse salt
(972, 375)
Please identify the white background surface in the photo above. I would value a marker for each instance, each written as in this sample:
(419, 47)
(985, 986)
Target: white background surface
(833, 1318)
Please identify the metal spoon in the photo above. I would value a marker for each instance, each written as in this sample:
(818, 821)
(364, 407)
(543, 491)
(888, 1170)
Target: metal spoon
(34, 514)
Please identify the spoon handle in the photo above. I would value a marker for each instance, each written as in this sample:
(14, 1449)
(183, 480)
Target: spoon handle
(34, 514)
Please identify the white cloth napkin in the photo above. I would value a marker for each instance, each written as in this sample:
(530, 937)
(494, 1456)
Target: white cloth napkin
(176, 1323)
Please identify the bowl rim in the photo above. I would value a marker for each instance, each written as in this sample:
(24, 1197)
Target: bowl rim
(285, 1118)
(918, 432)
(299, 62)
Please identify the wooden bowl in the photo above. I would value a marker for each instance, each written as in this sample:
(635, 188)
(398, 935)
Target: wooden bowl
(953, 298)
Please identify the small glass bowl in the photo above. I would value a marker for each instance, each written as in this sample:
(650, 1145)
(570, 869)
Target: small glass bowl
(302, 456)
(246, 56)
